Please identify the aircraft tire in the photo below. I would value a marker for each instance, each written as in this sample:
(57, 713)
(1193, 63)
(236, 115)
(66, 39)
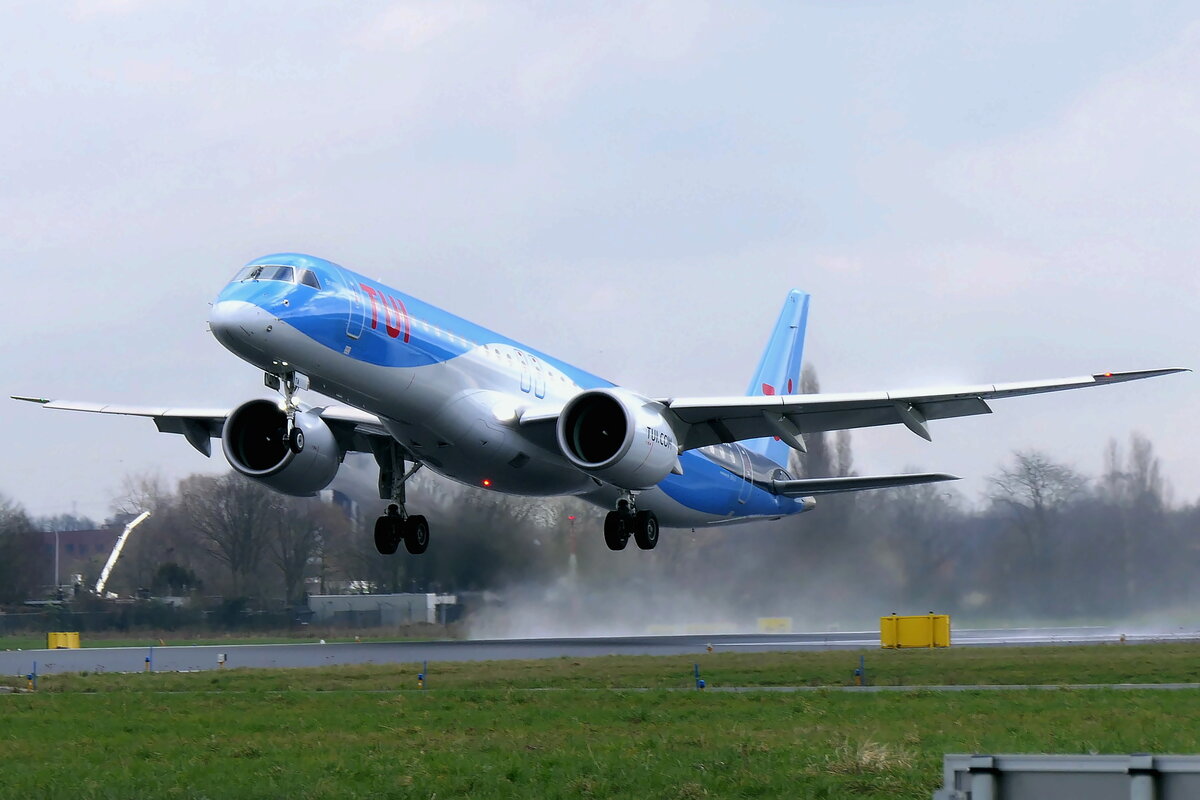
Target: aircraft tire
(645, 530)
(416, 534)
(387, 535)
(615, 534)
(296, 441)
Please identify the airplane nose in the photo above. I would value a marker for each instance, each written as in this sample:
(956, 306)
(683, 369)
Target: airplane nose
(237, 324)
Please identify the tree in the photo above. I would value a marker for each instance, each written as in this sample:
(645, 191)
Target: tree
(19, 546)
(64, 522)
(1133, 489)
(235, 516)
(1033, 493)
(173, 579)
(818, 462)
(303, 525)
(166, 537)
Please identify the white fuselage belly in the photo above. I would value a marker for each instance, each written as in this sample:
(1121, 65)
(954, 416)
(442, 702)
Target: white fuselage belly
(446, 414)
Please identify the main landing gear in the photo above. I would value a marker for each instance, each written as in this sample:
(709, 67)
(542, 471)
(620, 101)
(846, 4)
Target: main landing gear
(394, 527)
(619, 525)
(397, 525)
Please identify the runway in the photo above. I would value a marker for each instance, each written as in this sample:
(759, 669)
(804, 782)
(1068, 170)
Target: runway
(409, 654)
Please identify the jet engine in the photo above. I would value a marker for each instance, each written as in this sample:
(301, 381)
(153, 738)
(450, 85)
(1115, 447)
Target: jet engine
(255, 441)
(618, 437)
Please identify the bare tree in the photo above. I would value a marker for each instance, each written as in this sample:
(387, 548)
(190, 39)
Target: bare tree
(303, 526)
(1033, 492)
(844, 458)
(19, 546)
(166, 537)
(235, 516)
(818, 462)
(1035, 489)
(1137, 498)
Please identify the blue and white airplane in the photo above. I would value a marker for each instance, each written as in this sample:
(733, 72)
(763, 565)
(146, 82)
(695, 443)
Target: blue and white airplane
(418, 386)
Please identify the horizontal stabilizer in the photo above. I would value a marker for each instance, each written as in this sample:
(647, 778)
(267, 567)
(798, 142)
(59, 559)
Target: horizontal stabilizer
(812, 486)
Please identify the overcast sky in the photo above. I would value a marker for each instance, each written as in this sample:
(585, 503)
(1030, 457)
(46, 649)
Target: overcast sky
(972, 192)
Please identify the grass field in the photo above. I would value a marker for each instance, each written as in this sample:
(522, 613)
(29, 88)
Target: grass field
(486, 730)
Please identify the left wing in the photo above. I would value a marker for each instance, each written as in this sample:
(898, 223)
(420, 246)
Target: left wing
(354, 429)
(699, 422)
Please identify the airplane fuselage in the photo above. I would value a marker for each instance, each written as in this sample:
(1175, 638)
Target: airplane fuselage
(451, 392)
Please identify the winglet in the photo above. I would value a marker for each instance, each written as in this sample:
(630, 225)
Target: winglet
(1136, 375)
(39, 400)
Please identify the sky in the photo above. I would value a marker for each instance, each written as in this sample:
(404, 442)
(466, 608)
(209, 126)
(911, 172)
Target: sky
(972, 193)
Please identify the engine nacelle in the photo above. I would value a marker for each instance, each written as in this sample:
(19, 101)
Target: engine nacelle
(255, 443)
(618, 437)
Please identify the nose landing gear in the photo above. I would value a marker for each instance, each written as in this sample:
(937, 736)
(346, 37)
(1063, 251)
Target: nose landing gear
(286, 383)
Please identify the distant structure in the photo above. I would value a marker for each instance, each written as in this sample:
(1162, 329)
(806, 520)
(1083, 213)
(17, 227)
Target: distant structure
(75, 552)
(383, 610)
(342, 501)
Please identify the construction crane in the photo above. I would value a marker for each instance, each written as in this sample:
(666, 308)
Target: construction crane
(116, 551)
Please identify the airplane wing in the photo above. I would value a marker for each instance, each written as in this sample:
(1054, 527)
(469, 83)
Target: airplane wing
(814, 486)
(354, 429)
(699, 422)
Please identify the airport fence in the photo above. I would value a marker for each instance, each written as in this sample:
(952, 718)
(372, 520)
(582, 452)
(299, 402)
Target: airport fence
(149, 616)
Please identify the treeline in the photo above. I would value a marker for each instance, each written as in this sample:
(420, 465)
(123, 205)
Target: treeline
(1045, 542)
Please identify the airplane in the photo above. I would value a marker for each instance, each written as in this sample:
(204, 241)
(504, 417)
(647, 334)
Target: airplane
(419, 387)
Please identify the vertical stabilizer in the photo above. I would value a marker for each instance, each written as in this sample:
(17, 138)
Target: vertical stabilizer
(779, 369)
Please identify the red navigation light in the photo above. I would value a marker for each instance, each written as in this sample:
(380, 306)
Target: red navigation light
(572, 518)
(487, 482)
(1108, 374)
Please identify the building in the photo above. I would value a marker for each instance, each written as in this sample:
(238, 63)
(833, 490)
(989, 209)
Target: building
(78, 552)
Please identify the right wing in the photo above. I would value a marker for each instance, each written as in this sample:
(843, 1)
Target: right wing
(814, 486)
(353, 429)
(699, 422)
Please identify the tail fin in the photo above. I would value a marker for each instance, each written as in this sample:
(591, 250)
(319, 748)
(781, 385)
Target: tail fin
(779, 369)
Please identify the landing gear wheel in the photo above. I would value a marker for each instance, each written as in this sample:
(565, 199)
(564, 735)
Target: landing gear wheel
(645, 530)
(296, 441)
(616, 534)
(388, 534)
(416, 534)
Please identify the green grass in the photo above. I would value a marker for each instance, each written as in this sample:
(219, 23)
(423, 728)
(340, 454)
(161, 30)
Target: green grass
(484, 730)
(512, 743)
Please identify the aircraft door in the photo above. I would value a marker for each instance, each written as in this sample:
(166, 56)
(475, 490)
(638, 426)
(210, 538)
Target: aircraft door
(357, 320)
(747, 472)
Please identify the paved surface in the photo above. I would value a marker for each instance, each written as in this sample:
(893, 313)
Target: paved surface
(133, 659)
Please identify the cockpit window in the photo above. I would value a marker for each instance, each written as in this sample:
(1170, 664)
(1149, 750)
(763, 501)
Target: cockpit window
(285, 274)
(267, 272)
(309, 278)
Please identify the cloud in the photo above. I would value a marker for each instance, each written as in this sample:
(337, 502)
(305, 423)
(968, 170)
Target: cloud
(407, 27)
(92, 9)
(1121, 161)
